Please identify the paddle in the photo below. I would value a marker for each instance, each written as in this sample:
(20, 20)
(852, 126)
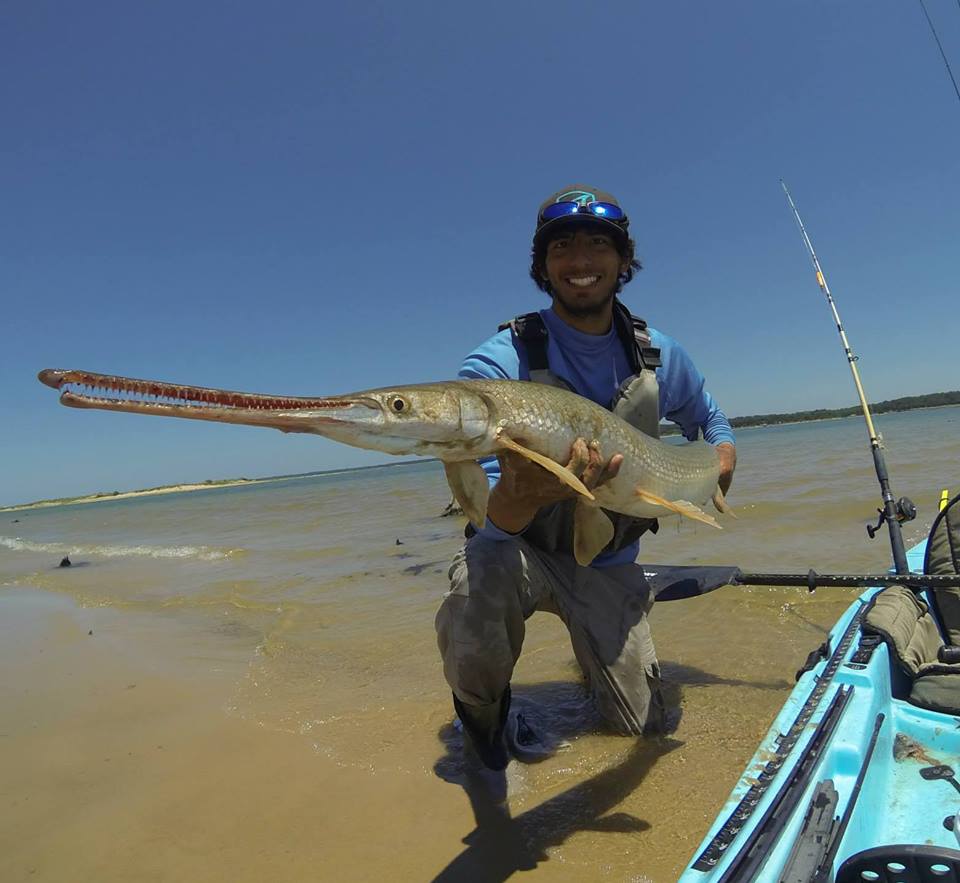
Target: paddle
(674, 582)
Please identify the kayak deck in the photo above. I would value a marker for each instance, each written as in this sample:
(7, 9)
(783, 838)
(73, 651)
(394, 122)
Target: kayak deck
(820, 739)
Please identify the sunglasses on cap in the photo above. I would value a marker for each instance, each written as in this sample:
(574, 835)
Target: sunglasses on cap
(606, 210)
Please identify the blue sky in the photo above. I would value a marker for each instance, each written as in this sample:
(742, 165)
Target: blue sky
(310, 198)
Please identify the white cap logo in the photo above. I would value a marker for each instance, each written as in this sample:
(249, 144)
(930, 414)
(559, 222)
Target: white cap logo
(581, 197)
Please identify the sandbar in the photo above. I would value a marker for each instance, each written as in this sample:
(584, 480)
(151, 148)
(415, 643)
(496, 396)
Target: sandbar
(125, 495)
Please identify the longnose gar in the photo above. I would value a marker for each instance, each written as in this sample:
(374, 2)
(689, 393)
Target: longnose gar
(455, 421)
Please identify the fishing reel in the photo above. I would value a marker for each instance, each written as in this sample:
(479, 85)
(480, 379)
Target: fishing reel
(905, 510)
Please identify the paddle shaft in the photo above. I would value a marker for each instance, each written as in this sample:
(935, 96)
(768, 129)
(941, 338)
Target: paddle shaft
(889, 512)
(673, 582)
(813, 580)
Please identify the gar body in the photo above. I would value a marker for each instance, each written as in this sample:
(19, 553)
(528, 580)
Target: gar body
(457, 422)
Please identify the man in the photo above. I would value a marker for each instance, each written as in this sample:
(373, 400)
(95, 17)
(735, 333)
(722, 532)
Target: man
(521, 560)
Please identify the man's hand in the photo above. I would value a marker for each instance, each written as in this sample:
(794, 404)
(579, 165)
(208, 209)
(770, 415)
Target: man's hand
(728, 462)
(525, 487)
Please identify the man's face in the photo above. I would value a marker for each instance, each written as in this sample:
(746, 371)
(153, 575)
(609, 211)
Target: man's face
(582, 266)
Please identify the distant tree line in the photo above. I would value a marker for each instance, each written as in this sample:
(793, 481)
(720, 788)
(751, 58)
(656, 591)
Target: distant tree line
(907, 403)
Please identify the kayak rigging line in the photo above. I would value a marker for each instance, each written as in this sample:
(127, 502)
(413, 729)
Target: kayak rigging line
(943, 54)
(711, 855)
(825, 870)
(893, 511)
(751, 856)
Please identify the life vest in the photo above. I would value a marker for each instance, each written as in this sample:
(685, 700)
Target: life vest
(637, 401)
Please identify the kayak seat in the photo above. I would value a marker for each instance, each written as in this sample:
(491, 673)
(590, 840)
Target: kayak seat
(905, 623)
(943, 557)
(901, 864)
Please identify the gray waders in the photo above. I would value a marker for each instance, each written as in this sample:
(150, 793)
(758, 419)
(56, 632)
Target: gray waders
(496, 585)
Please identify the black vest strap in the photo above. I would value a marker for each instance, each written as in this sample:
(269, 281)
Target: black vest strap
(632, 331)
(530, 328)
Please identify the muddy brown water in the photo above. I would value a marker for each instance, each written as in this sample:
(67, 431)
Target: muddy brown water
(243, 684)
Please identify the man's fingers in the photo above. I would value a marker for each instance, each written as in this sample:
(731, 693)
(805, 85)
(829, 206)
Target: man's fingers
(579, 457)
(598, 472)
(594, 465)
(612, 468)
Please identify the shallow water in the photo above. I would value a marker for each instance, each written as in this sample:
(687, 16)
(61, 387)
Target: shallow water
(302, 610)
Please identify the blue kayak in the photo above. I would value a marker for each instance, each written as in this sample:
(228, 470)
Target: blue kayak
(855, 780)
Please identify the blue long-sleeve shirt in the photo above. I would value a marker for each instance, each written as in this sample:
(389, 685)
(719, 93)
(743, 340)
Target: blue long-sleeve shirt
(595, 366)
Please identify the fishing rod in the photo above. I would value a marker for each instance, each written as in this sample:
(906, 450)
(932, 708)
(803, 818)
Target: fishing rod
(894, 511)
(943, 54)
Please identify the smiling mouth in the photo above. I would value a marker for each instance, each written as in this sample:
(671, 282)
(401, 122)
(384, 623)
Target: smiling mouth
(582, 281)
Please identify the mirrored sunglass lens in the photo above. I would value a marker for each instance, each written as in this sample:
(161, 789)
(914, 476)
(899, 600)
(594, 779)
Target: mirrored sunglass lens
(606, 210)
(559, 209)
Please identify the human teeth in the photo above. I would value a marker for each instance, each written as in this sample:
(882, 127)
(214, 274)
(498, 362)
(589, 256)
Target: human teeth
(583, 281)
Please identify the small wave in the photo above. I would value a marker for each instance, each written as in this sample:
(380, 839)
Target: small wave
(203, 553)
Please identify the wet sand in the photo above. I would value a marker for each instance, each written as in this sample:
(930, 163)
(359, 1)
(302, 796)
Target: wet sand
(128, 760)
(123, 764)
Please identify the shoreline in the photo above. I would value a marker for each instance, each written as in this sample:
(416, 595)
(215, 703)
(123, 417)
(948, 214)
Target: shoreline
(198, 486)
(235, 482)
(842, 416)
(147, 492)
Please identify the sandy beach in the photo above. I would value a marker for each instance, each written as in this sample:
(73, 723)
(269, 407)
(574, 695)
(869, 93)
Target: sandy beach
(129, 765)
(136, 761)
(211, 484)
(128, 495)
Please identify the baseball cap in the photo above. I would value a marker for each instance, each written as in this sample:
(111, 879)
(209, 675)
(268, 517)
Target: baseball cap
(581, 204)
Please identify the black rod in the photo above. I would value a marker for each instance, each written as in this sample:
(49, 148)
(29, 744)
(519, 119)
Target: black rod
(813, 580)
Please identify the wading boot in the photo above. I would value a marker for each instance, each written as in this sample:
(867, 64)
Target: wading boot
(484, 726)
(524, 742)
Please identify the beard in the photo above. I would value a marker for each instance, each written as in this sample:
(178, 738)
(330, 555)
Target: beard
(583, 309)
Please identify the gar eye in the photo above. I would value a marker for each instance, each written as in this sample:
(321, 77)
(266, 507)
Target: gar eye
(398, 404)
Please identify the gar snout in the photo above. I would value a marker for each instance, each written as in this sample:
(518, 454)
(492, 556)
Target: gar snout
(110, 392)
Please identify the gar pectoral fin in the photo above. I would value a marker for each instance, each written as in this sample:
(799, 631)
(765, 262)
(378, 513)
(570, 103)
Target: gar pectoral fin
(470, 487)
(681, 507)
(564, 474)
(721, 504)
(592, 530)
